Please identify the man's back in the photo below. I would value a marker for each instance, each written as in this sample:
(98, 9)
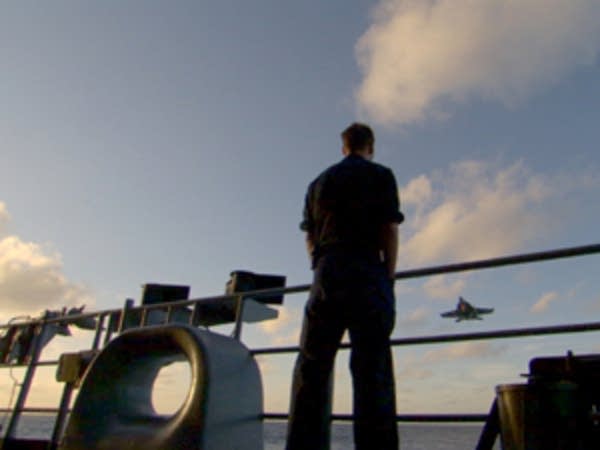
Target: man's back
(347, 204)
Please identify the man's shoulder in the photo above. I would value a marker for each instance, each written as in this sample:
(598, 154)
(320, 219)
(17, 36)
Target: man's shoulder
(357, 163)
(374, 169)
(350, 165)
(380, 167)
(332, 169)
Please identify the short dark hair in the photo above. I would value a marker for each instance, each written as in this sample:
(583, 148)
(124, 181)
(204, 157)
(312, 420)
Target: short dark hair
(358, 136)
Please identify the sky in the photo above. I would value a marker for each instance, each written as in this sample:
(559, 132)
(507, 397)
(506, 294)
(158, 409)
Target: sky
(152, 142)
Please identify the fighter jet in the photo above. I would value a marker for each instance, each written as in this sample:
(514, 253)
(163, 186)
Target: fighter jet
(465, 311)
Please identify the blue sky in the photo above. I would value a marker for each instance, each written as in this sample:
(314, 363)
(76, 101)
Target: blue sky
(145, 142)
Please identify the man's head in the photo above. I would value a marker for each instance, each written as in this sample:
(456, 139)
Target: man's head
(358, 139)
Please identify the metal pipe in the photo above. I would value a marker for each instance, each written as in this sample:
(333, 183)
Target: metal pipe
(38, 364)
(144, 318)
(501, 261)
(98, 332)
(32, 409)
(239, 313)
(27, 380)
(399, 417)
(169, 317)
(499, 334)
(63, 410)
(194, 316)
(445, 338)
(123, 317)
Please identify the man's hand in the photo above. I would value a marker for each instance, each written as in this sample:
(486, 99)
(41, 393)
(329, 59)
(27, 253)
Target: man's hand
(389, 243)
(310, 246)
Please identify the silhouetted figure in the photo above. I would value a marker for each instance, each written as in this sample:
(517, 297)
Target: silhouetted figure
(351, 219)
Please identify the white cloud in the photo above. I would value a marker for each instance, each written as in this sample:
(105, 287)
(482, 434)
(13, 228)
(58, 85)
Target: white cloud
(438, 287)
(4, 218)
(414, 373)
(411, 367)
(494, 371)
(414, 318)
(417, 191)
(31, 276)
(544, 302)
(462, 350)
(276, 326)
(477, 210)
(284, 330)
(418, 56)
(420, 366)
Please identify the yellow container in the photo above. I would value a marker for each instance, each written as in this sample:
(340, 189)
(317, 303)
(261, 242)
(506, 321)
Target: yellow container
(539, 417)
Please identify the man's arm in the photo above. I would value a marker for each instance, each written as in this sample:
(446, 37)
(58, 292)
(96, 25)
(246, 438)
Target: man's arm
(310, 245)
(389, 243)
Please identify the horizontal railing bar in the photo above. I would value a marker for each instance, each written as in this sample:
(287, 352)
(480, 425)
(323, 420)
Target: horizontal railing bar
(499, 334)
(25, 365)
(501, 261)
(437, 339)
(399, 418)
(32, 409)
(414, 273)
(50, 362)
(444, 338)
(335, 417)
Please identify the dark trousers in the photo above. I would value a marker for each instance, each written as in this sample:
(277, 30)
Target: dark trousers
(349, 292)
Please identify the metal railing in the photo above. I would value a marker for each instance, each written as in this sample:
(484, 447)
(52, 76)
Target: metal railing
(120, 315)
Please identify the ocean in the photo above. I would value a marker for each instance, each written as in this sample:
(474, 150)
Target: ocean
(412, 436)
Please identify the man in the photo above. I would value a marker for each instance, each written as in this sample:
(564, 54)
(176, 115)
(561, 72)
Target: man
(351, 219)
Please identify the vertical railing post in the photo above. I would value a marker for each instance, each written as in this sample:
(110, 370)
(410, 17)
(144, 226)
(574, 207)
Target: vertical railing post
(35, 351)
(65, 401)
(122, 319)
(169, 317)
(239, 313)
(144, 318)
(98, 332)
(194, 315)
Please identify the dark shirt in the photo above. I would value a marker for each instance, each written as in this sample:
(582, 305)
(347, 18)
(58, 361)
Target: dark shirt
(348, 203)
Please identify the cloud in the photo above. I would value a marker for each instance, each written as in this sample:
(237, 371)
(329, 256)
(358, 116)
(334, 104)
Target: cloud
(4, 218)
(417, 191)
(416, 317)
(544, 302)
(476, 210)
(411, 367)
(283, 330)
(31, 276)
(494, 371)
(281, 323)
(438, 287)
(419, 366)
(420, 56)
(462, 350)
(414, 373)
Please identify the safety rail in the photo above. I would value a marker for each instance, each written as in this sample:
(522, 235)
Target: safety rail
(119, 315)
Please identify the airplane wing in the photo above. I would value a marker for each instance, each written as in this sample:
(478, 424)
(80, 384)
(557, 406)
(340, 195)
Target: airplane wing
(449, 314)
(484, 310)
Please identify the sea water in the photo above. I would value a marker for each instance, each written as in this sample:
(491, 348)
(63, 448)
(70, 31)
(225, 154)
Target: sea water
(412, 436)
